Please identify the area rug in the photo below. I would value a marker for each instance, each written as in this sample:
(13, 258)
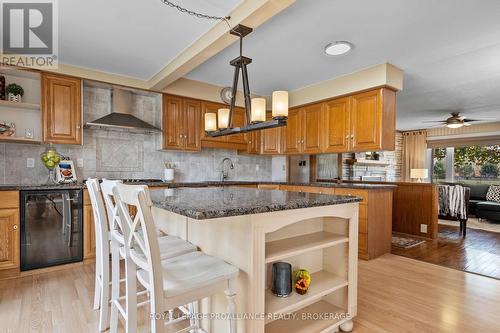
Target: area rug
(405, 242)
(475, 223)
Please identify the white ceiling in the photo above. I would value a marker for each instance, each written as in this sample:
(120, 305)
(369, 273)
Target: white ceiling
(130, 37)
(448, 49)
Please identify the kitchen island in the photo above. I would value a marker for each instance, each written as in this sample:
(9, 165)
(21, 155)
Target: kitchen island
(252, 229)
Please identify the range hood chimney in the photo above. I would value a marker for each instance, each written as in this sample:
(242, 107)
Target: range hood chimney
(121, 115)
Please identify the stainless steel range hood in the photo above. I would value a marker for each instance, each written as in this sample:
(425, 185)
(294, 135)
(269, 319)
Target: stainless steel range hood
(121, 116)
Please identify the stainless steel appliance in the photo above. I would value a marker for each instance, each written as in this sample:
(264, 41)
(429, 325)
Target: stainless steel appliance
(51, 227)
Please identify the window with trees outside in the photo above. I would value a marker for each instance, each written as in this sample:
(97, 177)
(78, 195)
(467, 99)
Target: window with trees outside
(470, 164)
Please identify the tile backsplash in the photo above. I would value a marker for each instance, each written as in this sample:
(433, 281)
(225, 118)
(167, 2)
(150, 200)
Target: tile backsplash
(115, 154)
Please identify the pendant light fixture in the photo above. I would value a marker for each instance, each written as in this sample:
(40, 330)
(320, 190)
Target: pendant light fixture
(220, 124)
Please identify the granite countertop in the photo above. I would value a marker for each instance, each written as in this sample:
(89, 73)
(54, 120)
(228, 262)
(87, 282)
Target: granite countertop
(19, 187)
(216, 202)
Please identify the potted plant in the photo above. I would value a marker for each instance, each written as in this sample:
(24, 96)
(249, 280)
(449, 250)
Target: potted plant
(14, 92)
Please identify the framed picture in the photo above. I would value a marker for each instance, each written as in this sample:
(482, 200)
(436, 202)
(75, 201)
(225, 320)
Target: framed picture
(65, 172)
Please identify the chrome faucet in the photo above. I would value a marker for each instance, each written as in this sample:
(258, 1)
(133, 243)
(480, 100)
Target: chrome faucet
(223, 171)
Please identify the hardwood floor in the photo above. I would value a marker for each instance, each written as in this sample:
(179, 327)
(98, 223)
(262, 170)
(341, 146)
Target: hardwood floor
(396, 294)
(478, 252)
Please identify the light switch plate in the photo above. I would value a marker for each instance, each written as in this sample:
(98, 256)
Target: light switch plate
(423, 228)
(79, 162)
(30, 162)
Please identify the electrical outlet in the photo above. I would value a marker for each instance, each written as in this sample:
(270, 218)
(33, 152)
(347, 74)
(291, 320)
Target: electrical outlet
(423, 228)
(283, 167)
(30, 162)
(79, 162)
(257, 167)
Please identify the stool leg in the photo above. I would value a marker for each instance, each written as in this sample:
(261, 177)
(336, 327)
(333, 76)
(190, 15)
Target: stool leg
(131, 296)
(115, 286)
(231, 305)
(104, 311)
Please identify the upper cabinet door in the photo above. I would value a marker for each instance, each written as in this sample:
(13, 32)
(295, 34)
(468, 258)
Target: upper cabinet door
(366, 121)
(61, 109)
(335, 128)
(311, 129)
(292, 133)
(206, 108)
(173, 136)
(254, 142)
(192, 122)
(271, 140)
(239, 120)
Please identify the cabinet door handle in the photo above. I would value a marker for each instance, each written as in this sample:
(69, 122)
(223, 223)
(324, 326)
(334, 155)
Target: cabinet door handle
(301, 141)
(78, 126)
(14, 227)
(180, 136)
(185, 136)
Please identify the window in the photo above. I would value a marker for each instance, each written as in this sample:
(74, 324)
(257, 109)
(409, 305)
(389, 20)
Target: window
(469, 164)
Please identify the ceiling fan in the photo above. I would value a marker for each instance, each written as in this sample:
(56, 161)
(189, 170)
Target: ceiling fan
(455, 121)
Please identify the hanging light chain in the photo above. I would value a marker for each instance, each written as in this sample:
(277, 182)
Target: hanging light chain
(196, 14)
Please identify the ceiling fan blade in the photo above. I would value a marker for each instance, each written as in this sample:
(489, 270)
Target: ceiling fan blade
(469, 120)
(435, 121)
(467, 124)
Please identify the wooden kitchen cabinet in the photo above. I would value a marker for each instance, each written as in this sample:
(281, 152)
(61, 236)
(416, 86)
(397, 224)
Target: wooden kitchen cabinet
(89, 250)
(254, 142)
(181, 123)
(235, 141)
(271, 139)
(292, 132)
(239, 120)
(336, 126)
(311, 130)
(302, 134)
(61, 109)
(373, 120)
(9, 234)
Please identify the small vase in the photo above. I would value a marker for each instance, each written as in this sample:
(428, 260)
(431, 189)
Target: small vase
(168, 175)
(14, 98)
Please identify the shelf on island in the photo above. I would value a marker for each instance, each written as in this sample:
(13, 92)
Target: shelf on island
(19, 139)
(289, 247)
(334, 316)
(322, 284)
(20, 105)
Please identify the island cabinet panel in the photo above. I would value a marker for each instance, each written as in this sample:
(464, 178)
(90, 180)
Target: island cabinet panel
(311, 129)
(61, 109)
(181, 123)
(292, 133)
(89, 250)
(9, 233)
(336, 126)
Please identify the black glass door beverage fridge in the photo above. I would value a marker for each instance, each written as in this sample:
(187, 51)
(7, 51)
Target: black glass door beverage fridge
(51, 228)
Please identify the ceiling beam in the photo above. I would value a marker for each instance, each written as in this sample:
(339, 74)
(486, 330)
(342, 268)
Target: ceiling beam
(251, 13)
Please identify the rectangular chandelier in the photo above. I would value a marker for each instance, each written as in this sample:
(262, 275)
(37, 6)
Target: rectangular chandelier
(220, 123)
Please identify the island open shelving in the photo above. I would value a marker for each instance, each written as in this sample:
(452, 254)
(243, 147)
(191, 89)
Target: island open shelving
(320, 245)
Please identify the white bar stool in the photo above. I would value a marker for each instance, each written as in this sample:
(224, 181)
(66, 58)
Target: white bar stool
(111, 240)
(172, 282)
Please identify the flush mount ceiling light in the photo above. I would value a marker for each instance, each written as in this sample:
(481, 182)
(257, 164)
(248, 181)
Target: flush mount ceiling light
(338, 48)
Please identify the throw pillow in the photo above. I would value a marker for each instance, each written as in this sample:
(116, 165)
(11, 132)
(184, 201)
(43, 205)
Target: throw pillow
(493, 193)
